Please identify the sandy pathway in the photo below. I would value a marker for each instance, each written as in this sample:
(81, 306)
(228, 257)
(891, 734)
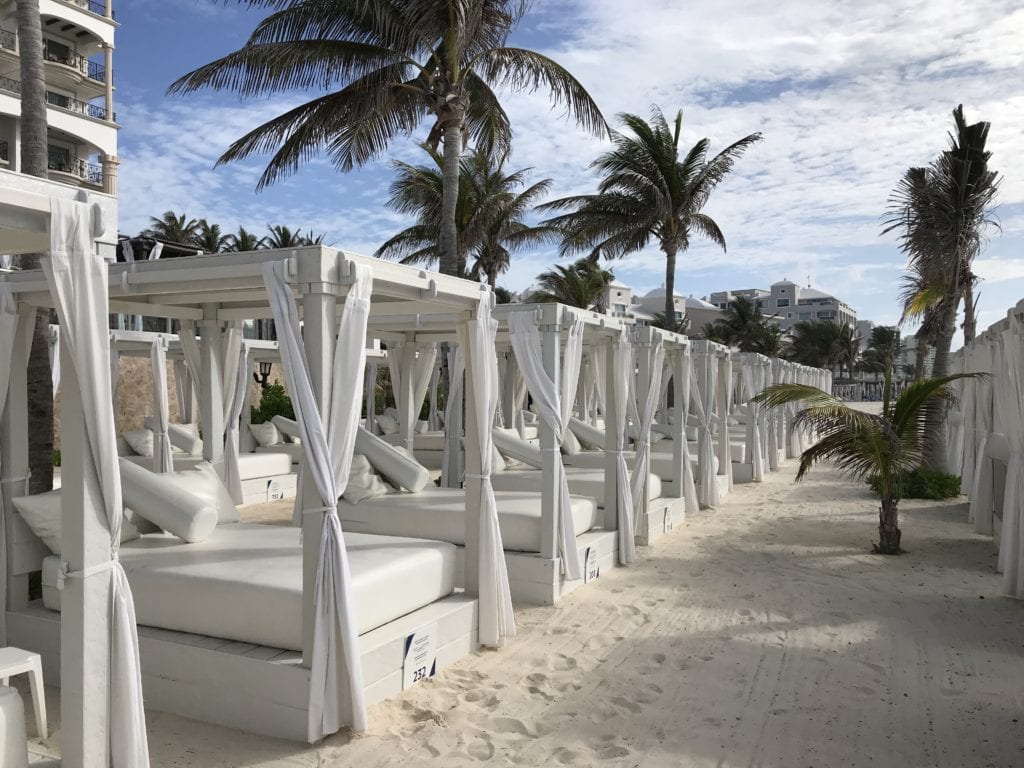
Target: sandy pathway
(761, 634)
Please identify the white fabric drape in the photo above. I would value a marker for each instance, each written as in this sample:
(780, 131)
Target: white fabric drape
(599, 360)
(772, 421)
(554, 401)
(235, 397)
(183, 392)
(497, 621)
(682, 410)
(1009, 391)
(193, 358)
(77, 279)
(162, 460)
(981, 484)
(753, 374)
(704, 378)
(114, 361)
(723, 422)
(433, 414)
(625, 510)
(336, 678)
(425, 359)
(641, 408)
(229, 353)
(55, 358)
(451, 459)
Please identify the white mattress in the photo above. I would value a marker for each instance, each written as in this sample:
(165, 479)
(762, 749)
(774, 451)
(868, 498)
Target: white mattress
(440, 513)
(250, 465)
(661, 462)
(245, 582)
(426, 441)
(582, 482)
(294, 450)
(181, 461)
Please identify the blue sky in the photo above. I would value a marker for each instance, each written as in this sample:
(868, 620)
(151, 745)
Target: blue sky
(847, 96)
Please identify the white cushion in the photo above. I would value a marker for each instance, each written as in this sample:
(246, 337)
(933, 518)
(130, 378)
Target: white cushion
(570, 444)
(184, 437)
(363, 482)
(401, 471)
(388, 424)
(162, 500)
(498, 463)
(41, 513)
(265, 434)
(286, 426)
(421, 427)
(203, 482)
(264, 464)
(510, 444)
(141, 441)
(589, 436)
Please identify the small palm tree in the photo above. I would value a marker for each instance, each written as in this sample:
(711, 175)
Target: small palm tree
(886, 447)
(488, 214)
(648, 192)
(673, 325)
(280, 236)
(882, 350)
(387, 67)
(174, 228)
(244, 240)
(581, 284)
(744, 326)
(209, 238)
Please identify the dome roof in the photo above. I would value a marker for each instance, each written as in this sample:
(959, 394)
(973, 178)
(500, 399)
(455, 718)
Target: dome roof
(659, 293)
(692, 302)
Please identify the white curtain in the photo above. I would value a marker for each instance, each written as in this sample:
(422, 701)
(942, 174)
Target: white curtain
(55, 357)
(641, 410)
(433, 414)
(114, 361)
(235, 397)
(497, 621)
(981, 485)
(451, 459)
(162, 460)
(623, 491)
(425, 359)
(78, 282)
(599, 361)
(704, 378)
(753, 374)
(723, 422)
(682, 410)
(968, 427)
(554, 401)
(183, 392)
(336, 676)
(1008, 384)
(193, 358)
(229, 351)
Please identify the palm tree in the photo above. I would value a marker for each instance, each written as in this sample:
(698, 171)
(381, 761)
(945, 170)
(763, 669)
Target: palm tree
(882, 350)
(174, 228)
(488, 214)
(34, 163)
(209, 239)
(581, 284)
(312, 239)
(885, 447)
(281, 236)
(744, 326)
(824, 344)
(244, 240)
(673, 325)
(502, 295)
(648, 192)
(392, 65)
(943, 213)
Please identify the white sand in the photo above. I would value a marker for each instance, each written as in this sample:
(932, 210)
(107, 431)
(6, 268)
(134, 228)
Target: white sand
(760, 634)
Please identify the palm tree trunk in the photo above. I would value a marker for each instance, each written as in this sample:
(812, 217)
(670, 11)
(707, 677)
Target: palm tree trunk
(935, 419)
(888, 529)
(34, 163)
(453, 117)
(970, 320)
(920, 355)
(670, 286)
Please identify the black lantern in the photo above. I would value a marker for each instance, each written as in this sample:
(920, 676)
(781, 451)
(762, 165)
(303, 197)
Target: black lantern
(263, 377)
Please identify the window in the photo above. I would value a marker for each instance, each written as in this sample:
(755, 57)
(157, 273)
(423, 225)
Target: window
(679, 316)
(805, 315)
(619, 310)
(782, 303)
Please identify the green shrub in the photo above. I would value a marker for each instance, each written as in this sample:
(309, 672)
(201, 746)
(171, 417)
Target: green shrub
(56, 457)
(273, 402)
(924, 483)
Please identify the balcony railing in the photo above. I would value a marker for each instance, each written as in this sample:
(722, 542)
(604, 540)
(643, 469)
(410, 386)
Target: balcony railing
(8, 40)
(96, 71)
(93, 6)
(73, 166)
(78, 106)
(60, 54)
(10, 86)
(4, 152)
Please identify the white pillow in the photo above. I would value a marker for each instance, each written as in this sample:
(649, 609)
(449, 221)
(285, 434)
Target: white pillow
(184, 437)
(266, 434)
(363, 482)
(287, 427)
(42, 514)
(400, 470)
(204, 482)
(570, 444)
(421, 427)
(160, 499)
(141, 441)
(657, 437)
(498, 463)
(388, 424)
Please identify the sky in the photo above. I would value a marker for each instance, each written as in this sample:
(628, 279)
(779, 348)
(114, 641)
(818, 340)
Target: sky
(847, 95)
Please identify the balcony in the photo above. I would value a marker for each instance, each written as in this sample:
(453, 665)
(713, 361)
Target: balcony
(4, 152)
(59, 53)
(79, 170)
(92, 6)
(77, 106)
(8, 40)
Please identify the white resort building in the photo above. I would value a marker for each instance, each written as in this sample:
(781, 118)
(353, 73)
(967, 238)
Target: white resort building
(78, 47)
(792, 303)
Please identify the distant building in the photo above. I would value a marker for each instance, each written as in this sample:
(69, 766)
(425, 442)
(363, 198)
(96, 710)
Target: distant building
(792, 303)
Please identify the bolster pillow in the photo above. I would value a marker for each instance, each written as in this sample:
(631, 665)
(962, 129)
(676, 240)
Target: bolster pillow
(997, 447)
(184, 437)
(398, 469)
(286, 426)
(513, 446)
(588, 434)
(164, 503)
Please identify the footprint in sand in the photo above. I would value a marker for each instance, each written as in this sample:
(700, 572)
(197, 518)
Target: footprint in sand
(611, 752)
(481, 749)
(482, 698)
(511, 725)
(533, 690)
(623, 703)
(559, 662)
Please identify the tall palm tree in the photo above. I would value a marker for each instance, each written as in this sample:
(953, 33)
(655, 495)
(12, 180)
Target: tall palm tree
(647, 191)
(244, 240)
(280, 236)
(886, 446)
(882, 350)
(943, 213)
(581, 284)
(34, 163)
(209, 239)
(744, 326)
(173, 227)
(387, 66)
(488, 214)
